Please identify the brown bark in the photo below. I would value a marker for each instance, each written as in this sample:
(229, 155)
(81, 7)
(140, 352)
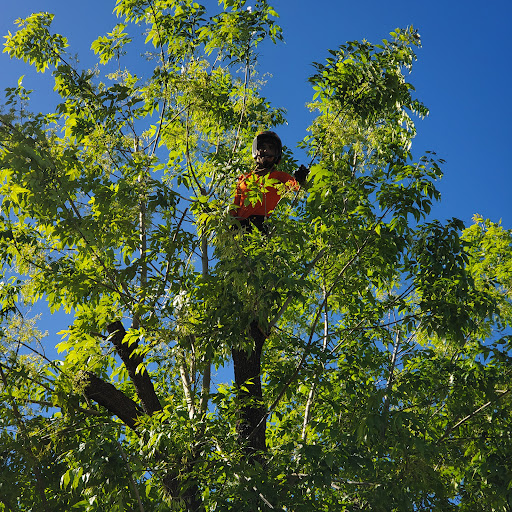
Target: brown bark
(115, 401)
(251, 426)
(141, 379)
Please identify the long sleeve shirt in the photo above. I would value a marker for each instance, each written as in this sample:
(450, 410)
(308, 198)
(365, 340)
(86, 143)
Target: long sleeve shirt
(252, 184)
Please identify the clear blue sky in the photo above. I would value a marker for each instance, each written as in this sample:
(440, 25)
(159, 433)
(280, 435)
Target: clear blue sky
(462, 74)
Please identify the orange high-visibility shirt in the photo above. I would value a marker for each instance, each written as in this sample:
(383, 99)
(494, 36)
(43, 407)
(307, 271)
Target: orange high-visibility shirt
(270, 198)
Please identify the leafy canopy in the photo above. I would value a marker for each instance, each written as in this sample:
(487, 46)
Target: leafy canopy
(368, 341)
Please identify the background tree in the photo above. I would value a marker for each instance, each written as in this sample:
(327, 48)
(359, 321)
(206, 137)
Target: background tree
(369, 344)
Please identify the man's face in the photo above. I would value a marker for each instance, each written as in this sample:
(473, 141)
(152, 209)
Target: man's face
(267, 154)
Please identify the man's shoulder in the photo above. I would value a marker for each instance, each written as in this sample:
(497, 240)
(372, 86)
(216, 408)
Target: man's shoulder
(280, 175)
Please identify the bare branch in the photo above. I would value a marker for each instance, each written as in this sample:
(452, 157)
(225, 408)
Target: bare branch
(312, 391)
(187, 387)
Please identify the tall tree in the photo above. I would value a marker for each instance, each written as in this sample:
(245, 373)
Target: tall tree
(368, 343)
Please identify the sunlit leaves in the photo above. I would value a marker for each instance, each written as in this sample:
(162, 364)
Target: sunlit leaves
(111, 45)
(385, 373)
(33, 42)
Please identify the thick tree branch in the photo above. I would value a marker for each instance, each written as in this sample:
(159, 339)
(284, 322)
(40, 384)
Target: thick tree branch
(128, 411)
(115, 401)
(139, 376)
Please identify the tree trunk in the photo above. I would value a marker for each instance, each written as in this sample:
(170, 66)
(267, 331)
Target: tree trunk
(251, 425)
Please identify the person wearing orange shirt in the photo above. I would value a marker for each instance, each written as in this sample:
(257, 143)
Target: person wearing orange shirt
(267, 151)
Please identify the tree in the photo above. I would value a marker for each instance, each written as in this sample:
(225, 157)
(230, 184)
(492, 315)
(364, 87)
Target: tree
(368, 343)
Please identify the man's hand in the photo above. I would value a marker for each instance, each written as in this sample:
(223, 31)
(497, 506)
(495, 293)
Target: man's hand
(301, 174)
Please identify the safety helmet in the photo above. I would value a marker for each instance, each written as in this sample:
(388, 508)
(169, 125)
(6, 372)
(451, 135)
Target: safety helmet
(267, 135)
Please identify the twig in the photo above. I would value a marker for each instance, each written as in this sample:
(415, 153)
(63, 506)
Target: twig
(130, 476)
(473, 414)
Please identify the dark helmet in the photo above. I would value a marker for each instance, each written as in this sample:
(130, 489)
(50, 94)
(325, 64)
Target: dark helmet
(271, 136)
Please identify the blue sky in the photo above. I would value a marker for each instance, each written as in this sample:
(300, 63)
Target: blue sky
(462, 75)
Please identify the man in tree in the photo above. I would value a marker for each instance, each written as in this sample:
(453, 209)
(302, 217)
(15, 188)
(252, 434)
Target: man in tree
(259, 192)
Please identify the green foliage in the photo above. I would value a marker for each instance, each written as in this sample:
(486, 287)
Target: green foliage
(385, 363)
(34, 43)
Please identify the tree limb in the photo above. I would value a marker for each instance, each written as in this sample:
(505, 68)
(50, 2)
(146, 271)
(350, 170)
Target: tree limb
(187, 387)
(132, 360)
(115, 401)
(312, 391)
